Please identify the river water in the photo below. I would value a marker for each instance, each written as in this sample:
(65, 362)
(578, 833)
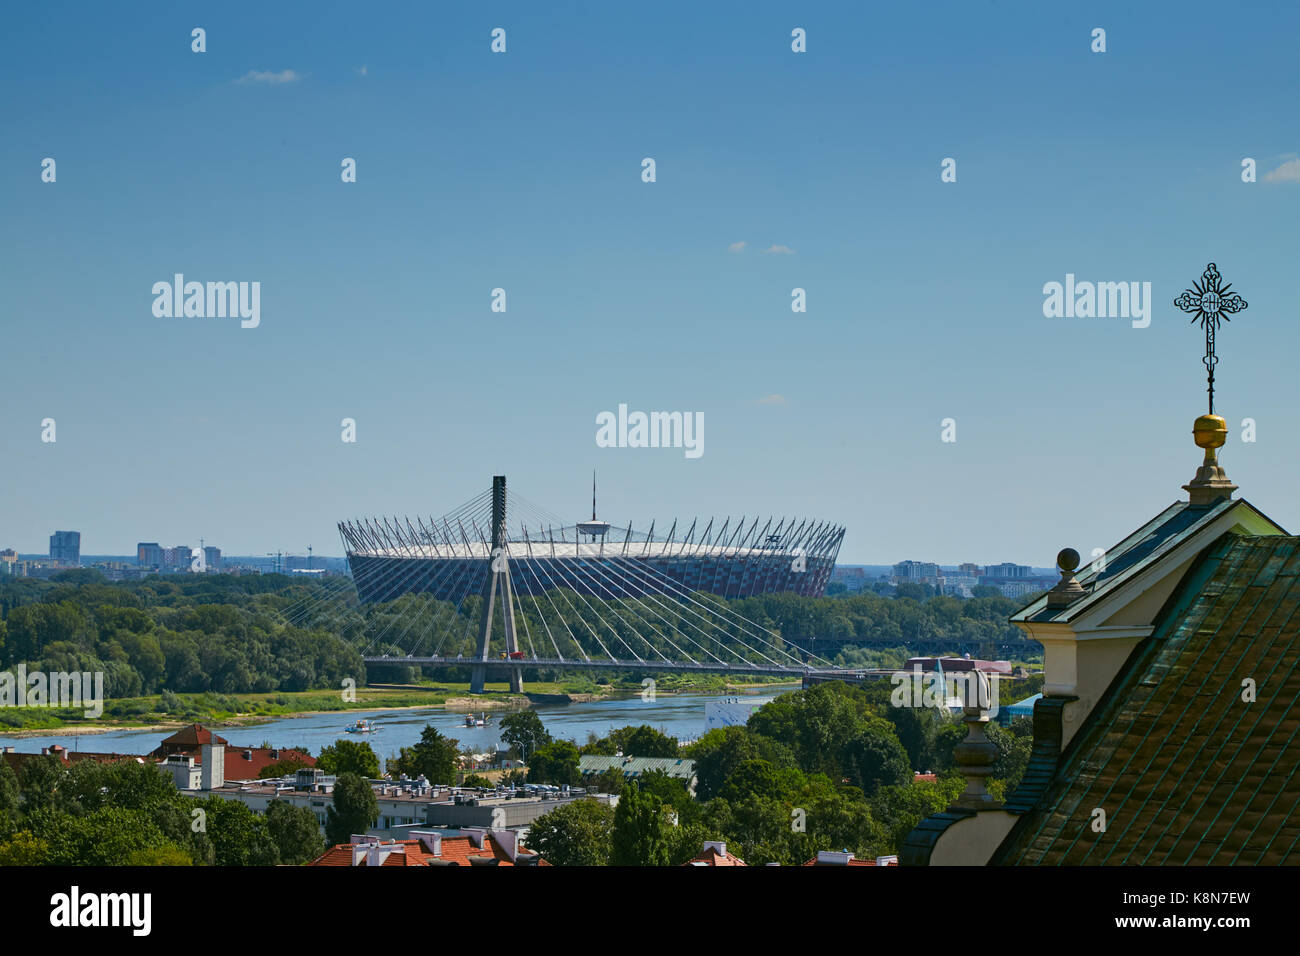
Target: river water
(679, 715)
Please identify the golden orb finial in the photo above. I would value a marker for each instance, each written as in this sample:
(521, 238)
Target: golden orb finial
(1211, 483)
(1210, 431)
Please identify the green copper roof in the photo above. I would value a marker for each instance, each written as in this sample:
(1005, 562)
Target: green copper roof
(1186, 771)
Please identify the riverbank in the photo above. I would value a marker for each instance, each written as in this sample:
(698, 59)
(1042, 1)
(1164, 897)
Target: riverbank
(676, 715)
(168, 712)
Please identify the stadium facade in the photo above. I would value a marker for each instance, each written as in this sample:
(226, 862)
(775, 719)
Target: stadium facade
(451, 556)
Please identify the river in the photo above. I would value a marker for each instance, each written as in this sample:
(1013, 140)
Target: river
(679, 715)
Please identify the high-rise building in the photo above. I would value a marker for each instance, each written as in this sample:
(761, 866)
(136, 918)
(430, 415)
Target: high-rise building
(178, 558)
(8, 561)
(65, 548)
(1008, 570)
(915, 571)
(149, 554)
(212, 558)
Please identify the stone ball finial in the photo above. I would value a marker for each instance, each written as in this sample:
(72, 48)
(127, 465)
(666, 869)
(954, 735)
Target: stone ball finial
(1068, 589)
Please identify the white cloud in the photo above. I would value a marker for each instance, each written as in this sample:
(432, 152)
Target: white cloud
(266, 76)
(1288, 172)
(736, 246)
(779, 250)
(773, 399)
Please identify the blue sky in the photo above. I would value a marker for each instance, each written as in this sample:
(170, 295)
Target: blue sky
(522, 171)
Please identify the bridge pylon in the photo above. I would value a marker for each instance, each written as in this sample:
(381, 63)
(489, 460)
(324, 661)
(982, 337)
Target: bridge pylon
(497, 583)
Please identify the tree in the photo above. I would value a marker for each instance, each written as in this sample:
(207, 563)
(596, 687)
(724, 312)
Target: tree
(610, 780)
(349, 756)
(24, 849)
(875, 758)
(239, 835)
(295, 832)
(354, 809)
(645, 741)
(42, 779)
(524, 732)
(758, 830)
(671, 792)
(9, 790)
(434, 756)
(1015, 747)
(686, 840)
(103, 837)
(914, 727)
(839, 818)
(555, 763)
(759, 778)
(638, 837)
(816, 724)
(91, 785)
(903, 807)
(719, 752)
(917, 592)
(633, 741)
(574, 834)
(169, 855)
(947, 736)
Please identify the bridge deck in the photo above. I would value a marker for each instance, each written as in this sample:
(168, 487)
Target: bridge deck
(498, 664)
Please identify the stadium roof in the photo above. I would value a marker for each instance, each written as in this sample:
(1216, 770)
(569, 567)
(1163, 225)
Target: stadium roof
(541, 548)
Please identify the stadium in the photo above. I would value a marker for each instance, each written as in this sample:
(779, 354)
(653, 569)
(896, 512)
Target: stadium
(451, 556)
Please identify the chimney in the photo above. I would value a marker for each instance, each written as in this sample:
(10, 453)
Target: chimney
(833, 857)
(377, 853)
(508, 840)
(716, 846)
(213, 774)
(431, 839)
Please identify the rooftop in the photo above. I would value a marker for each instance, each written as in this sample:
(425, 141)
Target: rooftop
(432, 848)
(1187, 770)
(678, 767)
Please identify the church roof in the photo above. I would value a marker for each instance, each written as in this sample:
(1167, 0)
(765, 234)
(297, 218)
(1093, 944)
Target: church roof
(1186, 770)
(1141, 549)
(195, 735)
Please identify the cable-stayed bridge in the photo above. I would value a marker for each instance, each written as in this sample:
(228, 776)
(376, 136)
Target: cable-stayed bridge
(464, 590)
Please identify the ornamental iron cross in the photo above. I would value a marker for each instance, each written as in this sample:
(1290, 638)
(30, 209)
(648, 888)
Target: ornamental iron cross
(1208, 300)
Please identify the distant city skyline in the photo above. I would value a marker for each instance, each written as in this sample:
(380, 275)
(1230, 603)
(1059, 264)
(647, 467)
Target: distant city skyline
(340, 556)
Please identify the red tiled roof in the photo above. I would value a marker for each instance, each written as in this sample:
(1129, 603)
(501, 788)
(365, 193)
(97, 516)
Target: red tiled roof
(245, 763)
(711, 857)
(242, 763)
(457, 850)
(16, 760)
(195, 735)
(854, 861)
